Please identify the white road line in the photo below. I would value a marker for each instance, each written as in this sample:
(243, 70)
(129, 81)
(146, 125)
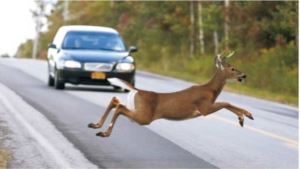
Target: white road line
(64, 154)
(287, 141)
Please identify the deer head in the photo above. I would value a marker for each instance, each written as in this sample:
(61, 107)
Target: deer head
(227, 69)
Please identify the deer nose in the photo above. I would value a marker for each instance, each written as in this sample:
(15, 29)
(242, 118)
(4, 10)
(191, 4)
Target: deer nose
(244, 76)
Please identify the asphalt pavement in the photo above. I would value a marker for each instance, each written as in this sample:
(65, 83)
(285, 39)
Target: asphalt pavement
(270, 141)
(131, 146)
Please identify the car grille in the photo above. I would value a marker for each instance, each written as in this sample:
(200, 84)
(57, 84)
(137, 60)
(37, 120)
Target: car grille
(103, 67)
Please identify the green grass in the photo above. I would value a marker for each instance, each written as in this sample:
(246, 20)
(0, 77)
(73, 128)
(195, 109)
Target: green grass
(272, 73)
(235, 87)
(259, 93)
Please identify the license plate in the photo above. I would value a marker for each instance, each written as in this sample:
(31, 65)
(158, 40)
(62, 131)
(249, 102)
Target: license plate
(98, 75)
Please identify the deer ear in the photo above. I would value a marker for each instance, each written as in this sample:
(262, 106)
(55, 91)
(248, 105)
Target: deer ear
(218, 62)
(219, 58)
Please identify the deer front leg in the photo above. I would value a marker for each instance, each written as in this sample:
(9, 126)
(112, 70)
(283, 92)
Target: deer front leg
(113, 103)
(138, 117)
(243, 111)
(236, 110)
(121, 109)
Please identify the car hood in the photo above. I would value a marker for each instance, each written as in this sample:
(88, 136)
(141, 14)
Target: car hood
(95, 56)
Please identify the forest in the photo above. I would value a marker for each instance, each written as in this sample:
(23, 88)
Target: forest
(181, 38)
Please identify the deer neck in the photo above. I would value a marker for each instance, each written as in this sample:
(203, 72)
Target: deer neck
(217, 83)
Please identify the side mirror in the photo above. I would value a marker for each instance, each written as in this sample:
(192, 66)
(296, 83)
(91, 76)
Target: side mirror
(133, 49)
(52, 46)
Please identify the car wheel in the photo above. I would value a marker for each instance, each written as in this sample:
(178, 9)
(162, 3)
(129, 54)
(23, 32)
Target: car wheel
(58, 84)
(50, 80)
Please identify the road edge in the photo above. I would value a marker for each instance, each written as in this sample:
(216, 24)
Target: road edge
(39, 128)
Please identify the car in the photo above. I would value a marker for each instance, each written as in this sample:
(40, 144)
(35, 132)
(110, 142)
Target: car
(89, 55)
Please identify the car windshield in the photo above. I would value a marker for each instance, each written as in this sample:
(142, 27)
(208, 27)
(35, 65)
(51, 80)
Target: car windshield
(93, 41)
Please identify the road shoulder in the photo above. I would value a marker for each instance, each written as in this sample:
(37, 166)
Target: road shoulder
(25, 135)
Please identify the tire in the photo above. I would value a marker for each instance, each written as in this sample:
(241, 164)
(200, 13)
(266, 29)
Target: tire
(58, 84)
(50, 81)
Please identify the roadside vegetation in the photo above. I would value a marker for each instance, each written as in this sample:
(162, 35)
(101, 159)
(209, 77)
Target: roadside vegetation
(4, 156)
(180, 39)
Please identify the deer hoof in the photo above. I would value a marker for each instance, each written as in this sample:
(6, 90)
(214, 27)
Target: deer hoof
(102, 134)
(94, 126)
(241, 121)
(250, 117)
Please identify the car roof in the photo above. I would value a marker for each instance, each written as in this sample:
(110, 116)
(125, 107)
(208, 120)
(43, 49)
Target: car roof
(87, 28)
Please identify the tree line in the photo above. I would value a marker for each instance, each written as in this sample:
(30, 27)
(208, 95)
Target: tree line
(183, 36)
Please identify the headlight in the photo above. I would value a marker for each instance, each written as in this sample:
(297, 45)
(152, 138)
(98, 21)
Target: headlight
(60, 64)
(72, 64)
(125, 67)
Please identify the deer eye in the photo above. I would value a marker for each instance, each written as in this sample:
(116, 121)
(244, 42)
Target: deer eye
(232, 69)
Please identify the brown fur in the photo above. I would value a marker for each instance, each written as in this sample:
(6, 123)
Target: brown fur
(198, 100)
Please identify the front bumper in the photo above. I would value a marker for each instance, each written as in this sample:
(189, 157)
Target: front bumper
(78, 76)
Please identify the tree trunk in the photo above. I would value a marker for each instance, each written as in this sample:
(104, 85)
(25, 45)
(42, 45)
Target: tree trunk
(201, 34)
(226, 24)
(192, 33)
(216, 42)
(66, 11)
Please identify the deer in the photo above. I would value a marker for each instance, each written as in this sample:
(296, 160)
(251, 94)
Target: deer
(143, 107)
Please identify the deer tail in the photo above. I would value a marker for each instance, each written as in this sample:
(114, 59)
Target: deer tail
(121, 83)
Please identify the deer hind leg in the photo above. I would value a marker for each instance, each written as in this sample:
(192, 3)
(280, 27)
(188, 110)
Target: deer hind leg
(122, 110)
(113, 103)
(236, 110)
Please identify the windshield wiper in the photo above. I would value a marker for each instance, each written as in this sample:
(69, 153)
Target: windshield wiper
(110, 49)
(71, 48)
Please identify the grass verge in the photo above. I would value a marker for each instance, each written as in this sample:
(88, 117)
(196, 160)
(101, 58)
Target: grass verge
(232, 87)
(4, 157)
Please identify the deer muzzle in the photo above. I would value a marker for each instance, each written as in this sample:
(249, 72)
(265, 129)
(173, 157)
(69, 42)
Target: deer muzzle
(242, 77)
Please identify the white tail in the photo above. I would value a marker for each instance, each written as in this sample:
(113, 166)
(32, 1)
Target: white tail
(144, 107)
(118, 82)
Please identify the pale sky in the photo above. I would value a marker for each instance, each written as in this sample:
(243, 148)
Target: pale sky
(17, 24)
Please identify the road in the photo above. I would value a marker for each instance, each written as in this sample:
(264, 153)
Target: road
(216, 141)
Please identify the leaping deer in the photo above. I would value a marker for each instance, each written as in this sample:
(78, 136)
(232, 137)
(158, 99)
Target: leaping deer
(144, 107)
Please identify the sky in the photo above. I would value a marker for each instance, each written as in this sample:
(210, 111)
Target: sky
(17, 24)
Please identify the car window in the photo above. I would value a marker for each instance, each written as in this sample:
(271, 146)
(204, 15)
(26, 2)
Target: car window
(93, 41)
